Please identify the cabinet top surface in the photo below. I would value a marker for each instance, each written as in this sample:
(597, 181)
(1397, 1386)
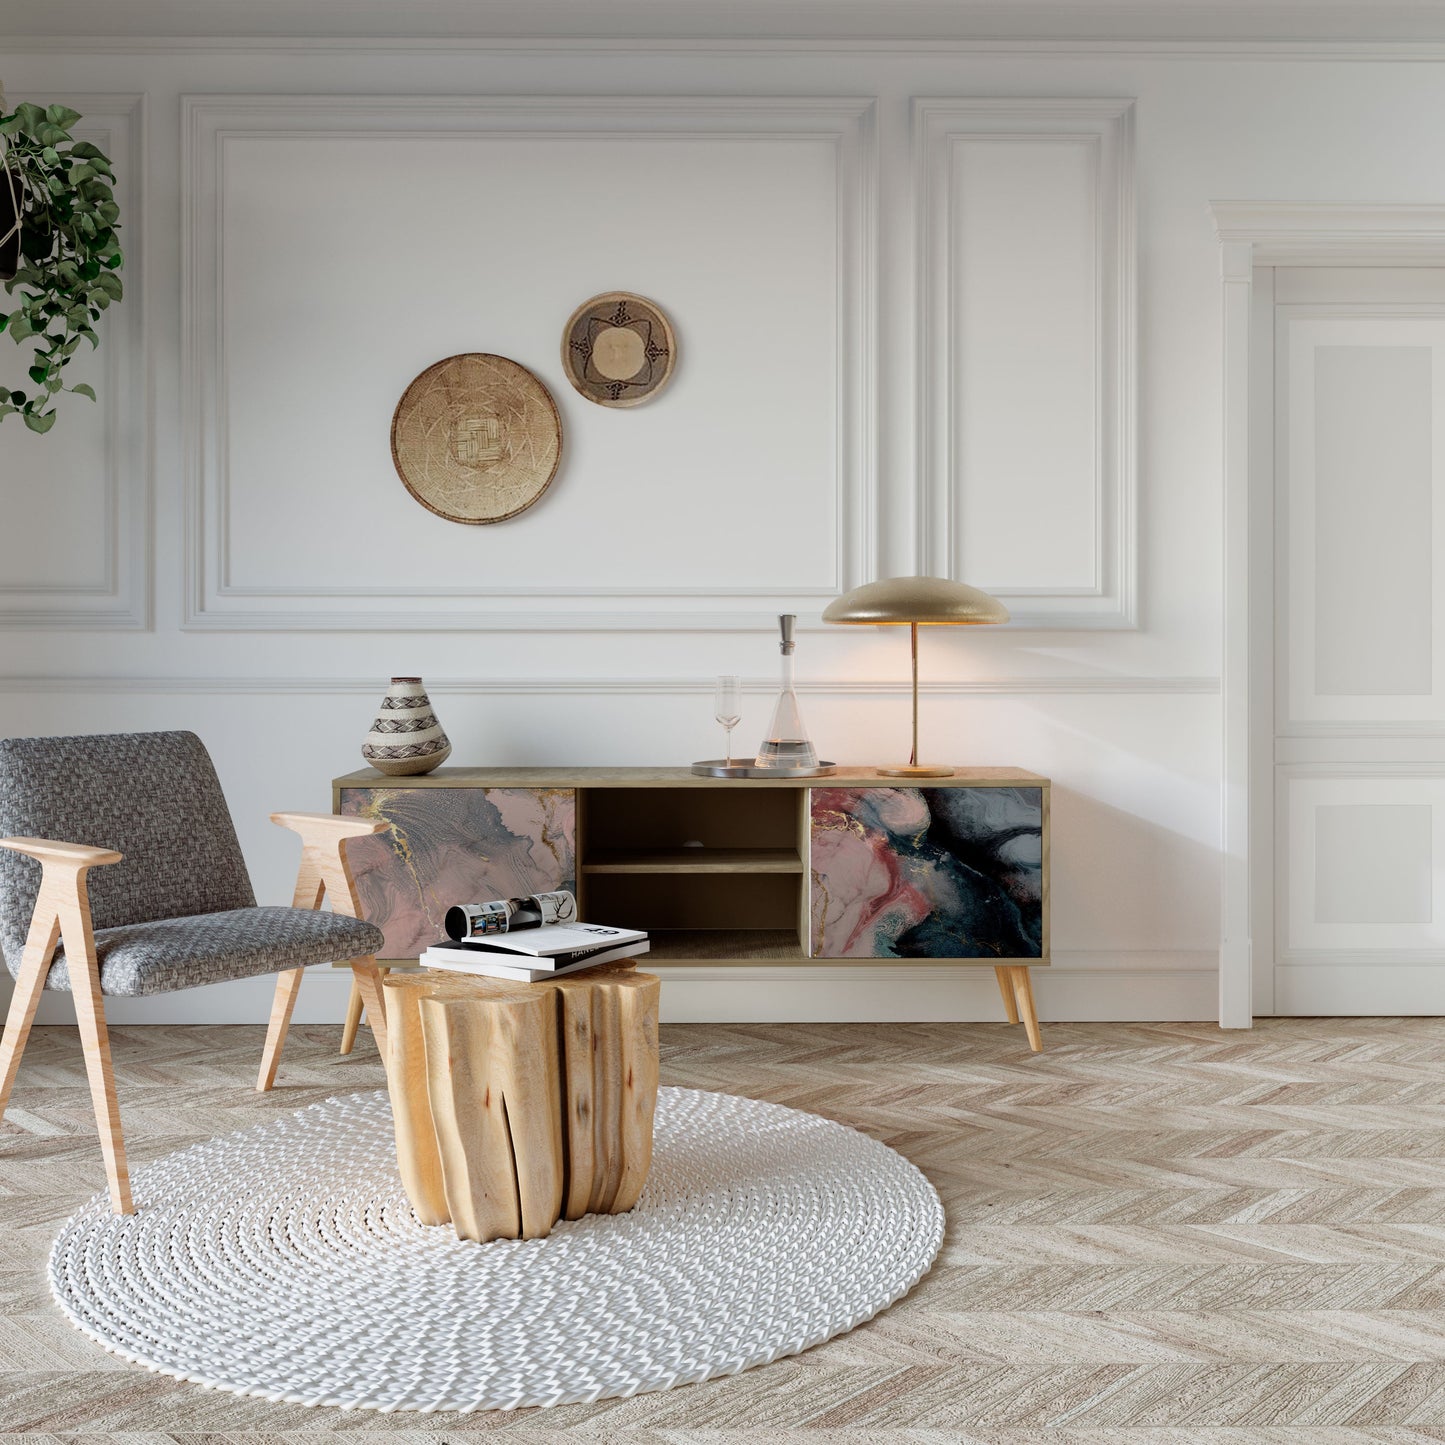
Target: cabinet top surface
(847, 776)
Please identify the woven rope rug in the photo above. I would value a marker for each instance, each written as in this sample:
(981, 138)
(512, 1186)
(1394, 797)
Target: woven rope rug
(285, 1262)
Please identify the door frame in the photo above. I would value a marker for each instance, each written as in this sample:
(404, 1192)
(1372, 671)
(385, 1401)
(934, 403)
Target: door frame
(1253, 235)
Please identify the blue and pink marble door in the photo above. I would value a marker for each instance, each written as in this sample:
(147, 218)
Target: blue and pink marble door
(456, 845)
(928, 873)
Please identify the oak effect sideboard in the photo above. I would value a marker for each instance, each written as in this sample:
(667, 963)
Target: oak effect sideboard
(724, 870)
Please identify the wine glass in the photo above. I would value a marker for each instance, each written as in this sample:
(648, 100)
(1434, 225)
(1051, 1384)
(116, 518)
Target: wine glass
(727, 708)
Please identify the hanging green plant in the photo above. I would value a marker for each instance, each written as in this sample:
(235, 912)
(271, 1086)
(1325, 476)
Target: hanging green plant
(68, 254)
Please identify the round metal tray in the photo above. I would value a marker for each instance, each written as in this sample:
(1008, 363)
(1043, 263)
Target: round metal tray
(720, 768)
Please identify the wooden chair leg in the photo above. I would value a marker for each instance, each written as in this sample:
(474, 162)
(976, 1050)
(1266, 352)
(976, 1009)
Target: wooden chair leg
(353, 1018)
(95, 1044)
(367, 977)
(1006, 988)
(34, 965)
(283, 1003)
(354, 1010)
(1024, 997)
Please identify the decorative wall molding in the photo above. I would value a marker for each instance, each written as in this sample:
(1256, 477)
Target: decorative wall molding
(1112, 686)
(1105, 127)
(1368, 729)
(1362, 769)
(208, 122)
(1315, 233)
(120, 597)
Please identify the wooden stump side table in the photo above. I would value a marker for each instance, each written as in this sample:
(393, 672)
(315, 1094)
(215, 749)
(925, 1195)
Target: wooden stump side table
(516, 1105)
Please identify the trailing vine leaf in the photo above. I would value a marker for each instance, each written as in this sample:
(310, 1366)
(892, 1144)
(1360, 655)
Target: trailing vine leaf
(69, 250)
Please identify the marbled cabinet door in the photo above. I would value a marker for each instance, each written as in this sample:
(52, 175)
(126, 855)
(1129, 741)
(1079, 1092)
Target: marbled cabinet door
(456, 845)
(928, 873)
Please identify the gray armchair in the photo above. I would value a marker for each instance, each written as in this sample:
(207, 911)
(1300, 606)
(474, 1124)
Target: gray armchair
(171, 905)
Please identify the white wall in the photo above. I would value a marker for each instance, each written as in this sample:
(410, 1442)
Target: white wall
(223, 544)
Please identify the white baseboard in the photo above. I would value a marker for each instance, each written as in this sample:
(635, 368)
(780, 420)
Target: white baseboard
(322, 1000)
(1080, 987)
(902, 993)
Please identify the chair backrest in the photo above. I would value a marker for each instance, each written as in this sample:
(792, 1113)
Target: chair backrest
(154, 797)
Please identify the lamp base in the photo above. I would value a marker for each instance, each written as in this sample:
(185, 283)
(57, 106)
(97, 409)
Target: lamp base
(917, 771)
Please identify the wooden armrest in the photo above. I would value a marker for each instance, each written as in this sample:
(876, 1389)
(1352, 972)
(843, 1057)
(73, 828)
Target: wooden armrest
(328, 827)
(70, 855)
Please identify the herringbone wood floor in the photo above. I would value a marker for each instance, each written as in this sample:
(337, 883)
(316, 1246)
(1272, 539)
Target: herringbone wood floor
(1157, 1232)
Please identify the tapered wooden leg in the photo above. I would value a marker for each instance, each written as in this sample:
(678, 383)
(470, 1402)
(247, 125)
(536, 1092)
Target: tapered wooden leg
(283, 1002)
(354, 1007)
(1024, 996)
(95, 1044)
(34, 965)
(1006, 988)
(353, 1018)
(367, 978)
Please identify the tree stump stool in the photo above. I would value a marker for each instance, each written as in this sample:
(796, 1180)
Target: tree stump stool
(519, 1104)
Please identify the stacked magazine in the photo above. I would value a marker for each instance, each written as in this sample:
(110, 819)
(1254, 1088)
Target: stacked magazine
(528, 939)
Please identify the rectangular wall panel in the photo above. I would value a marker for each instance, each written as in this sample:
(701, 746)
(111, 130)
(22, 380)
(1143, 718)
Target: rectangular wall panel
(1364, 862)
(1026, 313)
(1373, 512)
(74, 551)
(547, 202)
(1362, 500)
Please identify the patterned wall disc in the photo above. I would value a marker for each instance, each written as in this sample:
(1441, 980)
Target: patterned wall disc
(476, 438)
(618, 349)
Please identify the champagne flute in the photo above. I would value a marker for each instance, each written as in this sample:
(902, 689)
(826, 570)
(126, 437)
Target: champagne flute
(728, 708)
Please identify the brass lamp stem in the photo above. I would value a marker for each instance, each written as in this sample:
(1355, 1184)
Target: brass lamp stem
(913, 640)
(913, 769)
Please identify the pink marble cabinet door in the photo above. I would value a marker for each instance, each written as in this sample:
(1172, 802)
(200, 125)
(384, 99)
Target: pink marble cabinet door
(927, 873)
(456, 845)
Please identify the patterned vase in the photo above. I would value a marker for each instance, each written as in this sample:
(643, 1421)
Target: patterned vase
(406, 737)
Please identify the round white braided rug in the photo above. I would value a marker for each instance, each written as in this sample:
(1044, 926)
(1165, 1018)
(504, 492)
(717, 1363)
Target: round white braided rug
(285, 1262)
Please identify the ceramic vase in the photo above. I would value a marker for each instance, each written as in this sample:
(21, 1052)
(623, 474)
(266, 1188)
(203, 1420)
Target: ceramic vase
(406, 737)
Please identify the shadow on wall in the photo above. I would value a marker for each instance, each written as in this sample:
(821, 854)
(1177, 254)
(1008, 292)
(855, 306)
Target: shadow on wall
(1123, 883)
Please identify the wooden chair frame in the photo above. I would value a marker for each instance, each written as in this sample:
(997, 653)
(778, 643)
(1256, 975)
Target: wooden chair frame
(62, 911)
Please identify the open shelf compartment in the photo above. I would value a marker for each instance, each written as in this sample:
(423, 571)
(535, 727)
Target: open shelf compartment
(712, 875)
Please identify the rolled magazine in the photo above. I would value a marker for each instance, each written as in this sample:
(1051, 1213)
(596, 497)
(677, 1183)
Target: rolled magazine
(465, 921)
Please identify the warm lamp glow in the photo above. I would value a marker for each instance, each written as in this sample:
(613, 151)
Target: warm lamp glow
(917, 602)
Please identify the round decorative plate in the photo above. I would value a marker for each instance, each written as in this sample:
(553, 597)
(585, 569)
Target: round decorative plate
(618, 349)
(476, 438)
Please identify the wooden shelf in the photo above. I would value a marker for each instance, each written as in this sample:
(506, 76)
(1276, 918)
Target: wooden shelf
(724, 945)
(697, 860)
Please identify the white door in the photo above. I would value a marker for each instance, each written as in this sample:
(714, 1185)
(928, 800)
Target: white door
(1359, 642)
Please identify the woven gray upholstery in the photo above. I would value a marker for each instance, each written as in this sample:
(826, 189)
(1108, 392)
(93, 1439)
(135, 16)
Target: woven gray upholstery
(154, 797)
(178, 910)
(140, 958)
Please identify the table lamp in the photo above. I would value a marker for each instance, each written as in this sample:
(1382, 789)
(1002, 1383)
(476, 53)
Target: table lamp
(919, 602)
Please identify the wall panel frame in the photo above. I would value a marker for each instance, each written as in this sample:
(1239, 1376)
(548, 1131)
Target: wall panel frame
(119, 595)
(1102, 132)
(208, 121)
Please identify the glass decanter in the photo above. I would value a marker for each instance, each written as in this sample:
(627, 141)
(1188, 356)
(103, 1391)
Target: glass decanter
(787, 744)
